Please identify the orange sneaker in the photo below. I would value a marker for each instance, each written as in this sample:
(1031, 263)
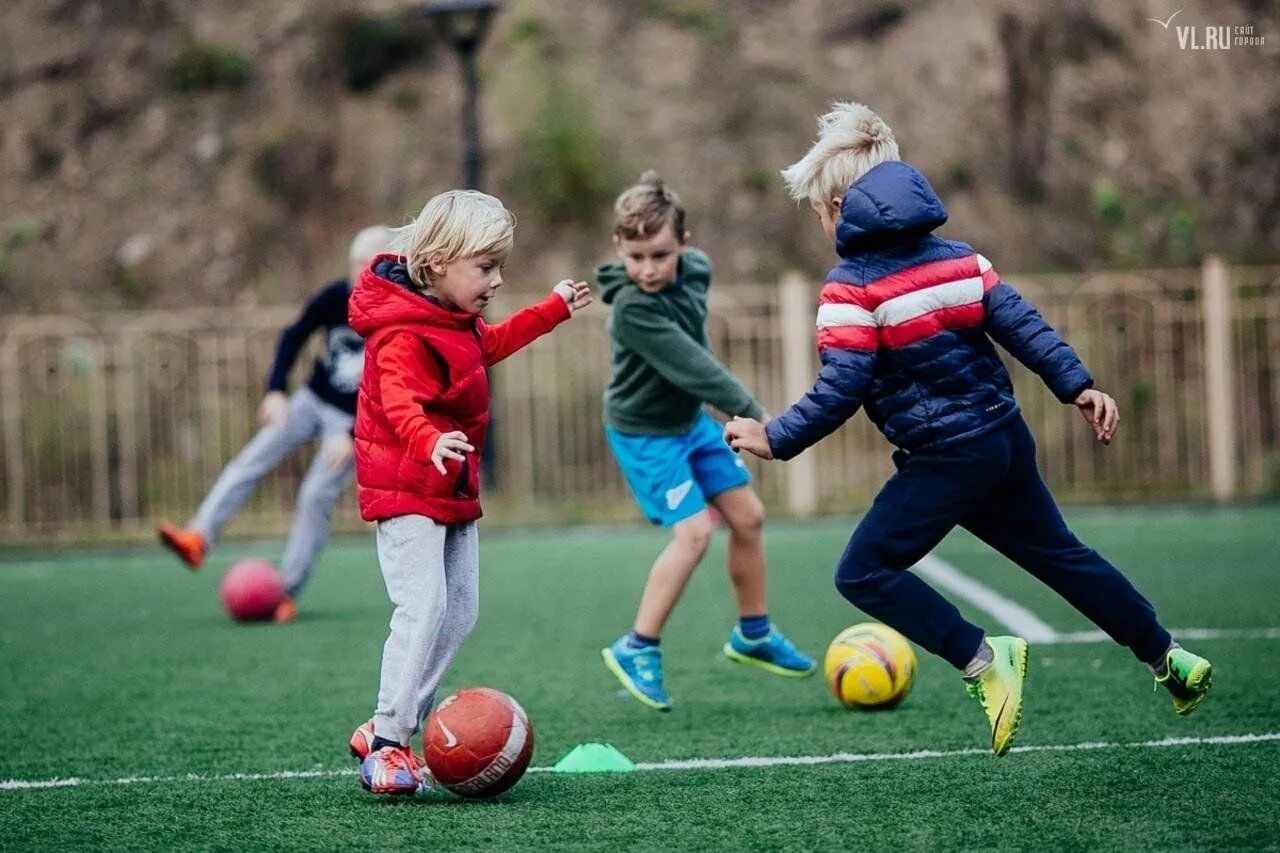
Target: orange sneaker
(361, 744)
(188, 545)
(390, 770)
(286, 610)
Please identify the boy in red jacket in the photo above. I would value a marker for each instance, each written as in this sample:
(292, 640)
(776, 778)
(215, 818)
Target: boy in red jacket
(422, 415)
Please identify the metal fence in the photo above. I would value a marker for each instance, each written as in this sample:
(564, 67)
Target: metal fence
(108, 422)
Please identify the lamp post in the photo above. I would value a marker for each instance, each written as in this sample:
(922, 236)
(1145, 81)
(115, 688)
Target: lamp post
(463, 24)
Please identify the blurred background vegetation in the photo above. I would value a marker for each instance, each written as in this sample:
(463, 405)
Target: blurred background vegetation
(157, 153)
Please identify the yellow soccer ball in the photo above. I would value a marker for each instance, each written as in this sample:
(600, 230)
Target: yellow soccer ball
(870, 666)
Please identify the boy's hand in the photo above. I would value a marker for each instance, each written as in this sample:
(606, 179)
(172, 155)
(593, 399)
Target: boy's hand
(1101, 412)
(576, 294)
(451, 445)
(335, 451)
(274, 409)
(747, 434)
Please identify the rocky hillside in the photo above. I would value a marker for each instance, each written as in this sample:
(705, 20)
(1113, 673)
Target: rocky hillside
(166, 153)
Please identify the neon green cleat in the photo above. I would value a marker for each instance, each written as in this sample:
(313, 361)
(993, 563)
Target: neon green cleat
(999, 690)
(1187, 678)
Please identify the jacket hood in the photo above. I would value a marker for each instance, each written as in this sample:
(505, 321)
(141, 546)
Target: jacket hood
(893, 203)
(384, 296)
(612, 278)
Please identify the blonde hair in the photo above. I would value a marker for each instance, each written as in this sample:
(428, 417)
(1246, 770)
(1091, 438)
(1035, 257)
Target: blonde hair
(455, 224)
(367, 244)
(646, 208)
(851, 140)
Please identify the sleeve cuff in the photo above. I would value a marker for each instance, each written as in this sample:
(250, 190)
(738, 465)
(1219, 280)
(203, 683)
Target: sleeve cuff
(777, 446)
(558, 307)
(1079, 388)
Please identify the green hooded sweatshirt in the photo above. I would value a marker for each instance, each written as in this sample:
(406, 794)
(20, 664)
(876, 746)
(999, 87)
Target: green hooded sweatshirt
(663, 369)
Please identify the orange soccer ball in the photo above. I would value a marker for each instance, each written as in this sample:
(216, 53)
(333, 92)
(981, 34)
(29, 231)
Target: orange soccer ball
(478, 742)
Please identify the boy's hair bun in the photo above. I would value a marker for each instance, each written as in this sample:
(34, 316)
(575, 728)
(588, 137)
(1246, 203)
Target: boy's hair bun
(651, 178)
(646, 208)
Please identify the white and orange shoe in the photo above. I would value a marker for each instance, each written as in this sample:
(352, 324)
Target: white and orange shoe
(390, 770)
(361, 743)
(188, 545)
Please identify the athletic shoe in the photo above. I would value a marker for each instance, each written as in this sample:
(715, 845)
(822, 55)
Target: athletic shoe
(286, 610)
(773, 653)
(189, 545)
(999, 690)
(640, 671)
(390, 770)
(361, 743)
(1187, 678)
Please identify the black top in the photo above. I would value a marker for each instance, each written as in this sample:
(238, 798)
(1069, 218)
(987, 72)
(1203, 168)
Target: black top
(336, 375)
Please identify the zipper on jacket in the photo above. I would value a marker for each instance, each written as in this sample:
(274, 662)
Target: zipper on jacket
(462, 485)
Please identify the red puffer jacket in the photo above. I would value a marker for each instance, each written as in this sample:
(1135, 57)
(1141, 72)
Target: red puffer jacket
(424, 375)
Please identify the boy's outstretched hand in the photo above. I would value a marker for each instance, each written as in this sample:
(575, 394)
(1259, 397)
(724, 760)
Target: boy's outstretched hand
(451, 445)
(748, 434)
(1100, 411)
(336, 451)
(274, 410)
(576, 294)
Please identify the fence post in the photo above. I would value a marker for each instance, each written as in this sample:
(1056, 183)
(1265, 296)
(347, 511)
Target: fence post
(1219, 379)
(11, 425)
(795, 312)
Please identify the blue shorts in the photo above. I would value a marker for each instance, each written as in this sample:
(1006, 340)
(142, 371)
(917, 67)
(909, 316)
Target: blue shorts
(673, 476)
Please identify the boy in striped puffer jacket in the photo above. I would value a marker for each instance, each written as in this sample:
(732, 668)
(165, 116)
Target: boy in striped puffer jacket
(906, 326)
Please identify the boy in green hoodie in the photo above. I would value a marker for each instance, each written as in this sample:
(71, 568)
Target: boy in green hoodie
(671, 451)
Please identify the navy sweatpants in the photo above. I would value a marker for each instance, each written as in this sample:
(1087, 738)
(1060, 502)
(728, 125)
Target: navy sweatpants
(991, 487)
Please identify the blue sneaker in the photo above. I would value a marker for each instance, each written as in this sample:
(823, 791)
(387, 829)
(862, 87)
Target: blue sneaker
(640, 671)
(773, 653)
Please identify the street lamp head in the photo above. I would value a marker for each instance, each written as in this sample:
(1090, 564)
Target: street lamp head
(462, 23)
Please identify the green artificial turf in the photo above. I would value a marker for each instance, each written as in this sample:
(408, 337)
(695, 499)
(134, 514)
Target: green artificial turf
(121, 665)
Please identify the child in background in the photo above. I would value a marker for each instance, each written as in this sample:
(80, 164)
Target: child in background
(421, 423)
(323, 410)
(668, 448)
(906, 322)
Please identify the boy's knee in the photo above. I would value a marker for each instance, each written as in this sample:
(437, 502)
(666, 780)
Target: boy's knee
(694, 533)
(317, 498)
(750, 520)
(854, 579)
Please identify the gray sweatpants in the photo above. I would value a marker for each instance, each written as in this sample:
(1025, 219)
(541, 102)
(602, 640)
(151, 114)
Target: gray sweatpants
(432, 573)
(310, 418)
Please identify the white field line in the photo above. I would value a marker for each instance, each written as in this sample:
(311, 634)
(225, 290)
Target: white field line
(1179, 634)
(1012, 615)
(75, 782)
(1026, 624)
(855, 757)
(748, 762)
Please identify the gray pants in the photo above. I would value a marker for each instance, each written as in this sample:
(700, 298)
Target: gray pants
(310, 418)
(432, 573)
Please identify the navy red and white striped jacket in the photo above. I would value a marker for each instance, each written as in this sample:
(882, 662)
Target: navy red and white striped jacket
(905, 327)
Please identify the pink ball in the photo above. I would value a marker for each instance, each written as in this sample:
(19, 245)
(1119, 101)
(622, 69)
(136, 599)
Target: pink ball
(251, 590)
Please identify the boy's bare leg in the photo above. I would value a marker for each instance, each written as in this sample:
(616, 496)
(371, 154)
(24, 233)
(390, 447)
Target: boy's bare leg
(744, 514)
(671, 572)
(754, 640)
